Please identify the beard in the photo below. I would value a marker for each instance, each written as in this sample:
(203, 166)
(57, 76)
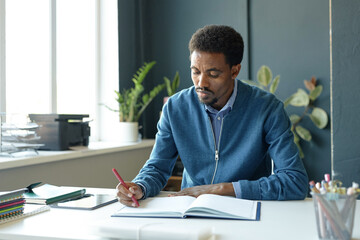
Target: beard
(206, 96)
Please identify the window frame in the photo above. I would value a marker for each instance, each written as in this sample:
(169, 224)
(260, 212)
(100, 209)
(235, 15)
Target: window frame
(2, 58)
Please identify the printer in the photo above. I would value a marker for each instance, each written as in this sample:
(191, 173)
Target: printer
(61, 131)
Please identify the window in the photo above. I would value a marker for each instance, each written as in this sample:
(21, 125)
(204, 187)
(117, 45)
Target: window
(58, 57)
(76, 56)
(27, 56)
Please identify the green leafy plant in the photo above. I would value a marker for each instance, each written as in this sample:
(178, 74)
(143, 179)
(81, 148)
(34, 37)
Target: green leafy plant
(171, 87)
(301, 98)
(132, 102)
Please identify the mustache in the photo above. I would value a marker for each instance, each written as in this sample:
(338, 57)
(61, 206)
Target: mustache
(203, 89)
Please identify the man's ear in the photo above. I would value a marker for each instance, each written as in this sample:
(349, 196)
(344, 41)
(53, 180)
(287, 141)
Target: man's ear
(235, 70)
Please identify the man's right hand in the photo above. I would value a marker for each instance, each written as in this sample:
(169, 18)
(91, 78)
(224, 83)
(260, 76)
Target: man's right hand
(125, 195)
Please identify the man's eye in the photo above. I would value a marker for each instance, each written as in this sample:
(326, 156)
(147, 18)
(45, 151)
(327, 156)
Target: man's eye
(213, 75)
(195, 73)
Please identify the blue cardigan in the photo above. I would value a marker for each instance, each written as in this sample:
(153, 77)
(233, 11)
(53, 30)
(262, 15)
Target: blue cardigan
(255, 131)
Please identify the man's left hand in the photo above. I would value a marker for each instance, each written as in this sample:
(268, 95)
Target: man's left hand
(225, 189)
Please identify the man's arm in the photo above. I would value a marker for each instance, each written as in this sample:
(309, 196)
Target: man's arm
(155, 173)
(290, 180)
(225, 189)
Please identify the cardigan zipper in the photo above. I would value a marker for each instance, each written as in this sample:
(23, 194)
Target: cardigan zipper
(216, 148)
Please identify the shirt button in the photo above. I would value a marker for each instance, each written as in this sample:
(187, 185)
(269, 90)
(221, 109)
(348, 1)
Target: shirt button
(219, 118)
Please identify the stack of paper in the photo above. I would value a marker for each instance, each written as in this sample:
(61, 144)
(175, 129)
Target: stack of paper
(16, 138)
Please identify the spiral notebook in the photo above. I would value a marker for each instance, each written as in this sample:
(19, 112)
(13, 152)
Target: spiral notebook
(29, 210)
(13, 207)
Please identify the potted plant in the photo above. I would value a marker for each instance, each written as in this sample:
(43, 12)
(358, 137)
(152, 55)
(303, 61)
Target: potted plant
(171, 86)
(132, 103)
(301, 98)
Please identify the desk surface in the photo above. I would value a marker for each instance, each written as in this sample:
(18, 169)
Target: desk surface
(279, 220)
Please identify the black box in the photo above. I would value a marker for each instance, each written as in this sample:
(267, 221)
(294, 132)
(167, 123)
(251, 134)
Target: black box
(60, 131)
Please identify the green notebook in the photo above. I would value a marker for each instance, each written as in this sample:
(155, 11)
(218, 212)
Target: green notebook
(48, 194)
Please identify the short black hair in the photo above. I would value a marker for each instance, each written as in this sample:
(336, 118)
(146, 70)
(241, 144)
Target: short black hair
(219, 39)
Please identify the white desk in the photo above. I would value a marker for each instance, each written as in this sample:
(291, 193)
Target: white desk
(279, 220)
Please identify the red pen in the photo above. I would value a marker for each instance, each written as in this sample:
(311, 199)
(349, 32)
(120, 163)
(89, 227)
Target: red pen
(124, 184)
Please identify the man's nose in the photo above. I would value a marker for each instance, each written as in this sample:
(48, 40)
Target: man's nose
(203, 81)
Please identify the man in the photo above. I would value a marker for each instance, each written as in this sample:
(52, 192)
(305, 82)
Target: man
(225, 132)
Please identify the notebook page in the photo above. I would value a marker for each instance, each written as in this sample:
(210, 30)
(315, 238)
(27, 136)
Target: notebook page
(158, 206)
(228, 205)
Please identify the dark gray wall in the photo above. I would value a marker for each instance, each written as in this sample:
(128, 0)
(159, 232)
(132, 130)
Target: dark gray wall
(346, 88)
(130, 47)
(292, 37)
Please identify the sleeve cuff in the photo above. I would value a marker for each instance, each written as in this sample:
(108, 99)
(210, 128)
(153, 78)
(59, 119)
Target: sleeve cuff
(143, 189)
(236, 186)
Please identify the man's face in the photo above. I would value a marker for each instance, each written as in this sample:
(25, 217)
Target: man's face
(213, 78)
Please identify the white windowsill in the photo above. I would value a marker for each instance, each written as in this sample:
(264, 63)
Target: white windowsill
(94, 148)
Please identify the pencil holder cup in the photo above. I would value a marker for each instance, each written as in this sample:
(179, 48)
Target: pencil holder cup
(334, 215)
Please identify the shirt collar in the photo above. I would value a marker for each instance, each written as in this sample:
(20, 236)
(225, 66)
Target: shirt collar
(229, 104)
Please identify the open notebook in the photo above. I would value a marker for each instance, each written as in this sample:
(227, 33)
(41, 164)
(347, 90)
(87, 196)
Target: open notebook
(206, 205)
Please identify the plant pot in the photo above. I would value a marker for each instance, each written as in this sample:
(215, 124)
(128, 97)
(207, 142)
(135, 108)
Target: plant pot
(129, 131)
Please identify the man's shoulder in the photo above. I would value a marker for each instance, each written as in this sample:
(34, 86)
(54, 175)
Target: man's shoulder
(184, 96)
(252, 89)
(184, 103)
(185, 92)
(254, 93)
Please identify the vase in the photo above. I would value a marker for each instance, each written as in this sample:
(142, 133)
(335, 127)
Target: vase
(129, 131)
